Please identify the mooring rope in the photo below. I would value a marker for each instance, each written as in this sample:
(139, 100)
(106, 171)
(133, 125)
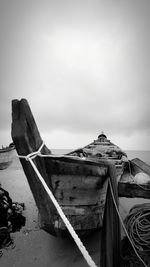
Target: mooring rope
(77, 240)
(33, 154)
(138, 226)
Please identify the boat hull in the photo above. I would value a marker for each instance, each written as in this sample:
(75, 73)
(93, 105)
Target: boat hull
(5, 165)
(5, 157)
(78, 184)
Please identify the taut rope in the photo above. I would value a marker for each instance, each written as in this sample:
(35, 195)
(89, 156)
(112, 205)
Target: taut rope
(77, 240)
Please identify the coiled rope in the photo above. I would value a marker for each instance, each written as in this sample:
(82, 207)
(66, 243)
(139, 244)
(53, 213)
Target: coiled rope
(138, 226)
(77, 240)
(124, 228)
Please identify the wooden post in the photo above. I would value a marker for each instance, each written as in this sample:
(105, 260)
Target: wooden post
(27, 139)
(110, 235)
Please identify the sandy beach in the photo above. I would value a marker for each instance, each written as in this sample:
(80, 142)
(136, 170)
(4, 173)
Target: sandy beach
(33, 246)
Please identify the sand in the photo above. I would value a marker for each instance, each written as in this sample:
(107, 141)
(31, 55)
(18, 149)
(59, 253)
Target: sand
(33, 246)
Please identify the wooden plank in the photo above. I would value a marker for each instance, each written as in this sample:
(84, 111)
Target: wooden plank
(82, 218)
(127, 187)
(102, 200)
(78, 196)
(110, 235)
(5, 165)
(74, 166)
(73, 182)
(131, 190)
(141, 165)
(77, 189)
(81, 210)
(85, 222)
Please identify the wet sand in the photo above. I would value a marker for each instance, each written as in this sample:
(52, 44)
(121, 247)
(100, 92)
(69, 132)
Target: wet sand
(33, 246)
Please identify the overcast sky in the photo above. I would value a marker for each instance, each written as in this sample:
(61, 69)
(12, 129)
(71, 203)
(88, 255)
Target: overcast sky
(84, 67)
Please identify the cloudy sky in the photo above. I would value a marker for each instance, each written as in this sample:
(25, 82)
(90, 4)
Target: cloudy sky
(84, 67)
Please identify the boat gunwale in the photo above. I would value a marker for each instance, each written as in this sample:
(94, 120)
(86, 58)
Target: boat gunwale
(75, 159)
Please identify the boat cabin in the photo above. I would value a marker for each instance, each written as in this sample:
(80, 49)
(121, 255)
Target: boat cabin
(102, 137)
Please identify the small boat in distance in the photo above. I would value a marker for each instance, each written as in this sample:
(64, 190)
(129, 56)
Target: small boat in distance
(78, 180)
(5, 156)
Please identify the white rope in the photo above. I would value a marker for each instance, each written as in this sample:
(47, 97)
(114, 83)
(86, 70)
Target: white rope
(80, 245)
(33, 154)
(38, 153)
(64, 218)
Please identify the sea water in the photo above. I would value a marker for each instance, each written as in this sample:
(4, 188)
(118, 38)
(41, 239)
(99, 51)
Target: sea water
(143, 155)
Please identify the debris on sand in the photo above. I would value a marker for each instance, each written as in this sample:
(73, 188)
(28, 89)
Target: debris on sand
(11, 218)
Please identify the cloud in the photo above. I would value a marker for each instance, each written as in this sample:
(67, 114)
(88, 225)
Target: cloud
(82, 65)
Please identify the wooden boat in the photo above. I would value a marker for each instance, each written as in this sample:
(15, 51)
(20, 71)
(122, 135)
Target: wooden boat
(78, 183)
(135, 180)
(78, 180)
(103, 149)
(5, 156)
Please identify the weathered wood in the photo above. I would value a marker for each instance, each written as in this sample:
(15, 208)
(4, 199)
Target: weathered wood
(77, 189)
(27, 139)
(73, 181)
(79, 185)
(102, 200)
(81, 210)
(78, 222)
(5, 165)
(5, 157)
(140, 165)
(77, 196)
(110, 236)
(131, 190)
(127, 187)
(75, 166)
